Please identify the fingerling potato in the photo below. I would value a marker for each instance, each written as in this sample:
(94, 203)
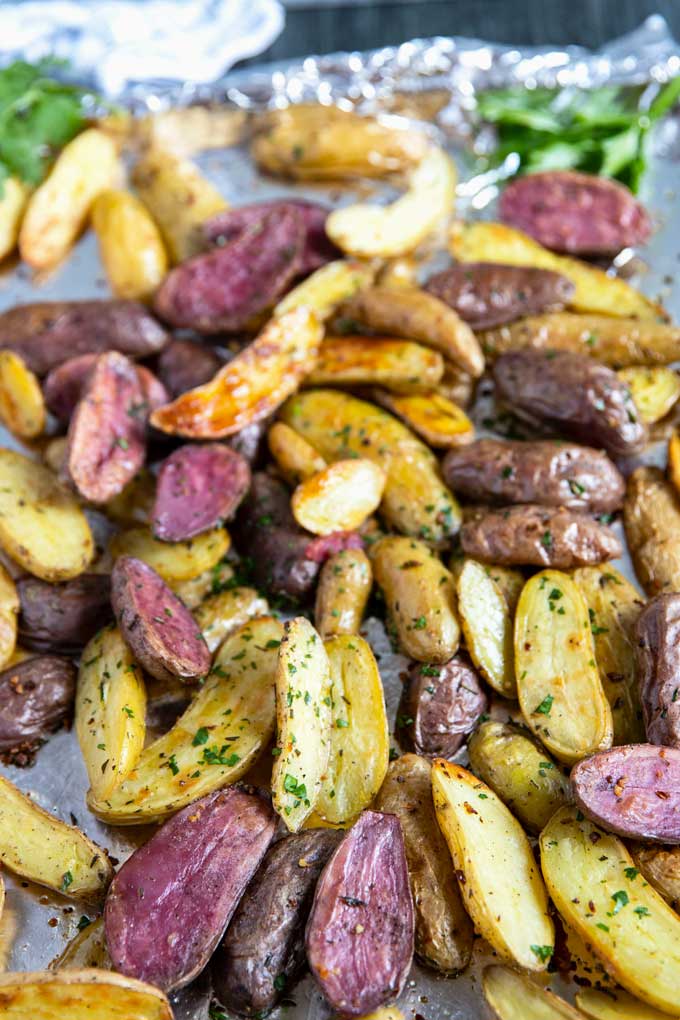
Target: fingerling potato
(514, 996)
(433, 417)
(13, 201)
(36, 698)
(440, 705)
(9, 610)
(81, 994)
(295, 458)
(342, 592)
(398, 365)
(651, 516)
(616, 1005)
(655, 390)
(487, 626)
(174, 561)
(327, 288)
(340, 497)
(130, 245)
(86, 949)
(220, 615)
(22, 405)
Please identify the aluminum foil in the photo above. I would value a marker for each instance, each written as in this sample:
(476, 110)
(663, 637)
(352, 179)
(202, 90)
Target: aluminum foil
(36, 924)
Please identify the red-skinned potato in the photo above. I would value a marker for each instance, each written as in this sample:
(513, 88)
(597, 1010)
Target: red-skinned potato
(62, 617)
(36, 697)
(440, 705)
(185, 364)
(65, 384)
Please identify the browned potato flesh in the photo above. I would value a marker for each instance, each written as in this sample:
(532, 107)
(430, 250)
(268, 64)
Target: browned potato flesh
(651, 515)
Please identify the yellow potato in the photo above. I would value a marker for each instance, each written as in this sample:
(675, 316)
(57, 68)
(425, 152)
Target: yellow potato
(220, 615)
(514, 996)
(135, 503)
(22, 406)
(179, 198)
(295, 458)
(188, 130)
(40, 847)
(420, 598)
(415, 500)
(614, 606)
(595, 291)
(130, 245)
(435, 418)
(416, 315)
(487, 626)
(210, 582)
(57, 211)
(174, 561)
(559, 687)
(615, 1006)
(654, 390)
(340, 497)
(79, 995)
(368, 230)
(303, 715)
(9, 611)
(345, 583)
(87, 949)
(456, 385)
(110, 711)
(399, 365)
(595, 887)
(213, 744)
(651, 516)
(42, 528)
(327, 288)
(399, 272)
(13, 200)
(359, 735)
(500, 882)
(674, 460)
(385, 1013)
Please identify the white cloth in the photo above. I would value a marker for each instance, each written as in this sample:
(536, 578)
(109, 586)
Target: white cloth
(117, 42)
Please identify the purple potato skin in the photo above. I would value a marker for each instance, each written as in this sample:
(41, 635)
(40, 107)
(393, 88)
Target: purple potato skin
(318, 248)
(488, 294)
(632, 790)
(444, 704)
(360, 932)
(156, 625)
(168, 906)
(36, 698)
(265, 942)
(65, 384)
(574, 395)
(224, 289)
(200, 486)
(657, 641)
(250, 441)
(546, 472)
(538, 536)
(48, 333)
(62, 617)
(185, 364)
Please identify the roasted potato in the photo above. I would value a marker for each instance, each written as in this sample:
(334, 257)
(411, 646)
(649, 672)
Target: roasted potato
(86, 949)
(210, 582)
(13, 202)
(130, 245)
(340, 497)
(651, 515)
(438, 420)
(62, 618)
(185, 364)
(9, 609)
(220, 615)
(500, 883)
(487, 623)
(187, 130)
(615, 1006)
(661, 867)
(22, 405)
(655, 390)
(439, 706)
(344, 586)
(174, 561)
(327, 288)
(514, 996)
(81, 994)
(519, 771)
(399, 365)
(295, 458)
(36, 698)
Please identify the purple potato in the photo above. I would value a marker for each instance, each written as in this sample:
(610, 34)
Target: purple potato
(440, 706)
(36, 698)
(185, 364)
(657, 641)
(62, 617)
(65, 384)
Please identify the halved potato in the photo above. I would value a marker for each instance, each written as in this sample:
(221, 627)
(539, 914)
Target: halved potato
(340, 497)
(12, 204)
(344, 585)
(220, 615)
(500, 882)
(40, 847)
(616, 1005)
(110, 711)
(359, 735)
(295, 458)
(42, 528)
(437, 419)
(327, 288)
(594, 884)
(651, 517)
(398, 365)
(303, 714)
(214, 743)
(174, 561)
(134, 505)
(487, 625)
(22, 406)
(130, 245)
(79, 995)
(210, 582)
(368, 230)
(9, 611)
(514, 996)
(86, 949)
(654, 390)
(559, 686)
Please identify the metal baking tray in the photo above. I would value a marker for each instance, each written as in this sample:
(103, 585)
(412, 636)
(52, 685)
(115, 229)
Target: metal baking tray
(37, 924)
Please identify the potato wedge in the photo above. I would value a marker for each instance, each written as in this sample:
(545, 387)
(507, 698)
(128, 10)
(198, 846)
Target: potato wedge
(214, 743)
(420, 597)
(651, 516)
(595, 291)
(342, 592)
(415, 500)
(179, 198)
(314, 142)
(367, 230)
(42, 528)
(613, 607)
(130, 245)
(295, 458)
(615, 342)
(340, 497)
(398, 365)
(220, 615)
(174, 561)
(327, 288)
(514, 996)
(81, 995)
(616, 1005)
(502, 888)
(487, 625)
(13, 201)
(9, 611)
(359, 735)
(110, 711)
(416, 315)
(57, 211)
(87, 949)
(22, 405)
(655, 390)
(250, 386)
(559, 687)
(303, 715)
(40, 847)
(519, 771)
(594, 885)
(435, 418)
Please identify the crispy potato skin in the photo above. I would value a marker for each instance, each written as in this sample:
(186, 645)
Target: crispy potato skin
(651, 515)
(443, 704)
(443, 930)
(544, 472)
(538, 536)
(573, 394)
(62, 617)
(657, 641)
(36, 698)
(265, 939)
